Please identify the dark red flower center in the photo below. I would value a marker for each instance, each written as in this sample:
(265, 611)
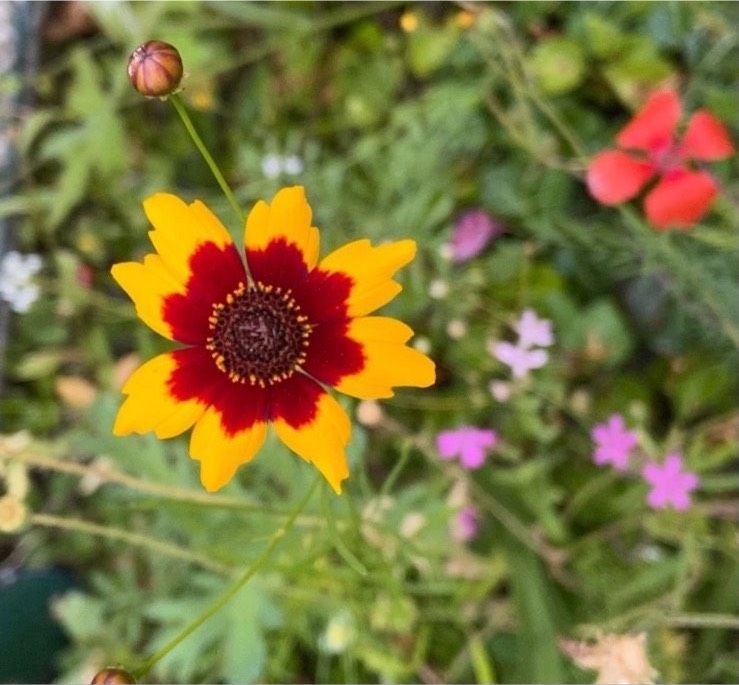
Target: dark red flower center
(668, 157)
(258, 335)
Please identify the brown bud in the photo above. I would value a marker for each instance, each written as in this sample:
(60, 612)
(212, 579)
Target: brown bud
(155, 68)
(112, 676)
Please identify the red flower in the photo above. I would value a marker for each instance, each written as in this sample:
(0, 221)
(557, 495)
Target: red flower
(682, 194)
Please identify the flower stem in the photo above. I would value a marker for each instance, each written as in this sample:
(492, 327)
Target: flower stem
(135, 539)
(232, 590)
(200, 145)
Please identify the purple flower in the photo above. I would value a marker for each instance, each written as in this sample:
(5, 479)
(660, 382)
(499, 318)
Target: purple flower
(670, 484)
(520, 359)
(533, 331)
(466, 524)
(613, 443)
(472, 232)
(468, 443)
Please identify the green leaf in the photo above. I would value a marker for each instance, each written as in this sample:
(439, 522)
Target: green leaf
(540, 660)
(244, 647)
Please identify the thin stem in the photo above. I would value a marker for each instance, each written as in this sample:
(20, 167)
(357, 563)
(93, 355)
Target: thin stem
(726, 621)
(230, 592)
(110, 475)
(165, 548)
(200, 145)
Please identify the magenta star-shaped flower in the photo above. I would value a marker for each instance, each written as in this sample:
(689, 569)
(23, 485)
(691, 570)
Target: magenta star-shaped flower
(533, 331)
(613, 443)
(671, 486)
(468, 443)
(466, 524)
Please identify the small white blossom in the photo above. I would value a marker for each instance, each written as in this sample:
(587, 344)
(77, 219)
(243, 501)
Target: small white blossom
(422, 344)
(446, 252)
(500, 390)
(339, 634)
(438, 289)
(456, 329)
(16, 286)
(272, 166)
(292, 165)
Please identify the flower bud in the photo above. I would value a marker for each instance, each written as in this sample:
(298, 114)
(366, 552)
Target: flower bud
(113, 676)
(155, 68)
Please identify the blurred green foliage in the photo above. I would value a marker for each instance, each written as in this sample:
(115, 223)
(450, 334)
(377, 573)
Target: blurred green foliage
(403, 116)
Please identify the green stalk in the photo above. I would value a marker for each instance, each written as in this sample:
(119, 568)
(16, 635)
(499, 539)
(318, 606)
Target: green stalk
(200, 145)
(231, 591)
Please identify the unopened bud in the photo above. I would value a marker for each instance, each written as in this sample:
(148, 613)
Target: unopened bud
(155, 68)
(112, 676)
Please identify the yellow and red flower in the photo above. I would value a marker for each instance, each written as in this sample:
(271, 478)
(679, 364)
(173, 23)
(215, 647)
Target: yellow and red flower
(263, 344)
(682, 194)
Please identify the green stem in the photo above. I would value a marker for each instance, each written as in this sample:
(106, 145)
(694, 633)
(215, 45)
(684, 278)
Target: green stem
(200, 145)
(726, 621)
(230, 592)
(135, 539)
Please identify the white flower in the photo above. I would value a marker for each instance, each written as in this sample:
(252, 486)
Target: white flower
(292, 165)
(438, 289)
(272, 166)
(456, 329)
(500, 390)
(422, 344)
(16, 286)
(339, 634)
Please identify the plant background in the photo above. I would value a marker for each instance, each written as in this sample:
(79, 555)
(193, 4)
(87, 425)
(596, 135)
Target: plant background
(495, 106)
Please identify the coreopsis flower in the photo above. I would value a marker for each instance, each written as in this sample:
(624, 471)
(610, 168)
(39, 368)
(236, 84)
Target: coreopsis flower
(155, 69)
(683, 193)
(613, 443)
(468, 443)
(112, 676)
(261, 352)
(670, 485)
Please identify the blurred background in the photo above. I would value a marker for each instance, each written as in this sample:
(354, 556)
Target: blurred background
(467, 126)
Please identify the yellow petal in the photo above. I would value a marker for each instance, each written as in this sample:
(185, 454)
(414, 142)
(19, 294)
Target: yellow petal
(388, 361)
(150, 406)
(287, 217)
(321, 441)
(219, 452)
(148, 285)
(371, 270)
(180, 229)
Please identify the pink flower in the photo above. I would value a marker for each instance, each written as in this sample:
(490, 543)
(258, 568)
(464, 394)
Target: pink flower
(613, 443)
(670, 484)
(520, 359)
(533, 331)
(468, 443)
(466, 524)
(472, 232)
